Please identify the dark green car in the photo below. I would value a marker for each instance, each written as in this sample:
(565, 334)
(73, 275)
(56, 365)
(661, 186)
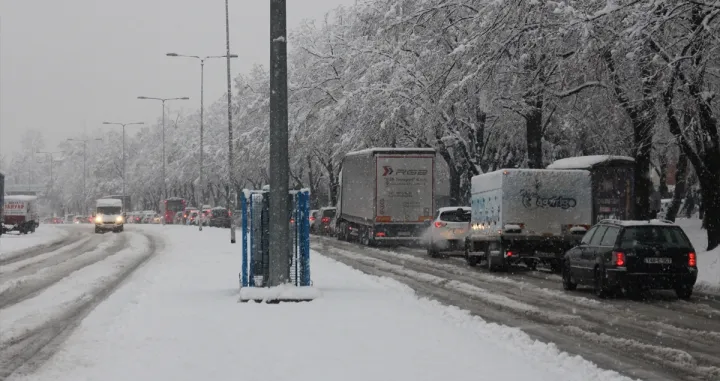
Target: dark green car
(632, 256)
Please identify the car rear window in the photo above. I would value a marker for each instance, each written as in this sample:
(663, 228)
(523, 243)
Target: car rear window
(455, 216)
(328, 213)
(671, 236)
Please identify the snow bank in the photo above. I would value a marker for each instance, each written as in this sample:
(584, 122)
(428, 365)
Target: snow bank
(585, 162)
(708, 261)
(45, 234)
(178, 318)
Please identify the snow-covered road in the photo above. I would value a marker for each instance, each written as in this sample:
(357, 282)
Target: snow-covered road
(178, 318)
(662, 338)
(47, 290)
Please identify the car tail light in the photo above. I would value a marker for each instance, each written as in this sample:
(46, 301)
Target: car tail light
(509, 254)
(380, 234)
(325, 220)
(439, 224)
(292, 220)
(692, 259)
(618, 258)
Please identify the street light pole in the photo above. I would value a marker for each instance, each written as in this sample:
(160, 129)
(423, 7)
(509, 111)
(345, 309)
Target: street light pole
(123, 154)
(279, 163)
(229, 107)
(201, 170)
(84, 141)
(163, 100)
(50, 156)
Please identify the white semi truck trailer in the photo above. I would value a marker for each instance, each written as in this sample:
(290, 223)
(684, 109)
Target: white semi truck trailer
(386, 195)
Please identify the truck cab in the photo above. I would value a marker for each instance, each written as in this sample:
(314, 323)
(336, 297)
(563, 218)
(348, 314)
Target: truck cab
(109, 215)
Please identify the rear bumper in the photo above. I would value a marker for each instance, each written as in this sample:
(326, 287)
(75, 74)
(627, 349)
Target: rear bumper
(658, 281)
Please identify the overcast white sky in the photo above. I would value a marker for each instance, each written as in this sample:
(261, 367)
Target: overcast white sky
(66, 65)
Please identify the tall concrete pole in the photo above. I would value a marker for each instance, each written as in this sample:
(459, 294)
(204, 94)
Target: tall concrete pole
(230, 132)
(279, 162)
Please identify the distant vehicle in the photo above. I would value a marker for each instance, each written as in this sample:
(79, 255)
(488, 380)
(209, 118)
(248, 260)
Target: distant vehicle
(386, 195)
(169, 207)
(326, 215)
(219, 217)
(109, 215)
(192, 218)
(126, 201)
(187, 212)
(632, 256)
(448, 231)
(69, 218)
(314, 220)
(20, 214)
(612, 177)
(527, 216)
(79, 219)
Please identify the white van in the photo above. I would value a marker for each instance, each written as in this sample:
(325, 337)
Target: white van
(108, 215)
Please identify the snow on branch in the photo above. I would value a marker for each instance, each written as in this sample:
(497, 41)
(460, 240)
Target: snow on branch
(577, 89)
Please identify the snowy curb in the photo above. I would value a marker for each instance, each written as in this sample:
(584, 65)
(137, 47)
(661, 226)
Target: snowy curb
(280, 293)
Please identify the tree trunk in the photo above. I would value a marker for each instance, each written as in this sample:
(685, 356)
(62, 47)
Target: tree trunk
(680, 181)
(710, 192)
(533, 130)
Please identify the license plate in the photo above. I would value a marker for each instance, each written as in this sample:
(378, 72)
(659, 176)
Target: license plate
(404, 234)
(459, 231)
(664, 261)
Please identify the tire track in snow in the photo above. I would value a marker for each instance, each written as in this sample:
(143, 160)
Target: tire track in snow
(39, 250)
(36, 277)
(26, 348)
(615, 328)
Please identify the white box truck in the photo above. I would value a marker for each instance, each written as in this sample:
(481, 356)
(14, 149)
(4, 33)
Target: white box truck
(108, 215)
(386, 195)
(527, 216)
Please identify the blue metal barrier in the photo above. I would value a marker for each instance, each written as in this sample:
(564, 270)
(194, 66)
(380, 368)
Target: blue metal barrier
(255, 238)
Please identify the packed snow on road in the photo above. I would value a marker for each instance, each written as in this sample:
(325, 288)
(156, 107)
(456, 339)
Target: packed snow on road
(178, 317)
(12, 243)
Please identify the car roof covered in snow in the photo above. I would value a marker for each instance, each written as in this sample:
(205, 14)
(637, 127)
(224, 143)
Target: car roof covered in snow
(454, 208)
(109, 202)
(371, 151)
(627, 223)
(586, 162)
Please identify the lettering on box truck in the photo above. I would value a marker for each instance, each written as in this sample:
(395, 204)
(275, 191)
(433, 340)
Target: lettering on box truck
(404, 190)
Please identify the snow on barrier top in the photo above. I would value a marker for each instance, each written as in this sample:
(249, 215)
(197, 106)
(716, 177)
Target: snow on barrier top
(586, 162)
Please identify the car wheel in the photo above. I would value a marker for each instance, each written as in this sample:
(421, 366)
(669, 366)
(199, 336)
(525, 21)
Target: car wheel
(683, 291)
(568, 284)
(599, 287)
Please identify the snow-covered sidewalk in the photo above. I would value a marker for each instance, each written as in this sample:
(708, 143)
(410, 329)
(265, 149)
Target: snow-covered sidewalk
(178, 318)
(44, 234)
(708, 261)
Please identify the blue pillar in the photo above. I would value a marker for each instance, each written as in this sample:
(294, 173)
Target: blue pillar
(245, 262)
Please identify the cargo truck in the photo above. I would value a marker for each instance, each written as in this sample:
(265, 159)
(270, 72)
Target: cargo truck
(527, 216)
(386, 195)
(20, 214)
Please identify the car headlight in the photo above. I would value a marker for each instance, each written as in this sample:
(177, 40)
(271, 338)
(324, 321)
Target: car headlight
(119, 219)
(98, 219)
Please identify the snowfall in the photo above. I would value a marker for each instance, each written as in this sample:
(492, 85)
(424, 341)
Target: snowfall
(178, 318)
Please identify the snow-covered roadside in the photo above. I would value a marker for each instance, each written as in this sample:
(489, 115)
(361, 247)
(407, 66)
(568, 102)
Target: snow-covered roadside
(75, 289)
(45, 234)
(178, 318)
(708, 261)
